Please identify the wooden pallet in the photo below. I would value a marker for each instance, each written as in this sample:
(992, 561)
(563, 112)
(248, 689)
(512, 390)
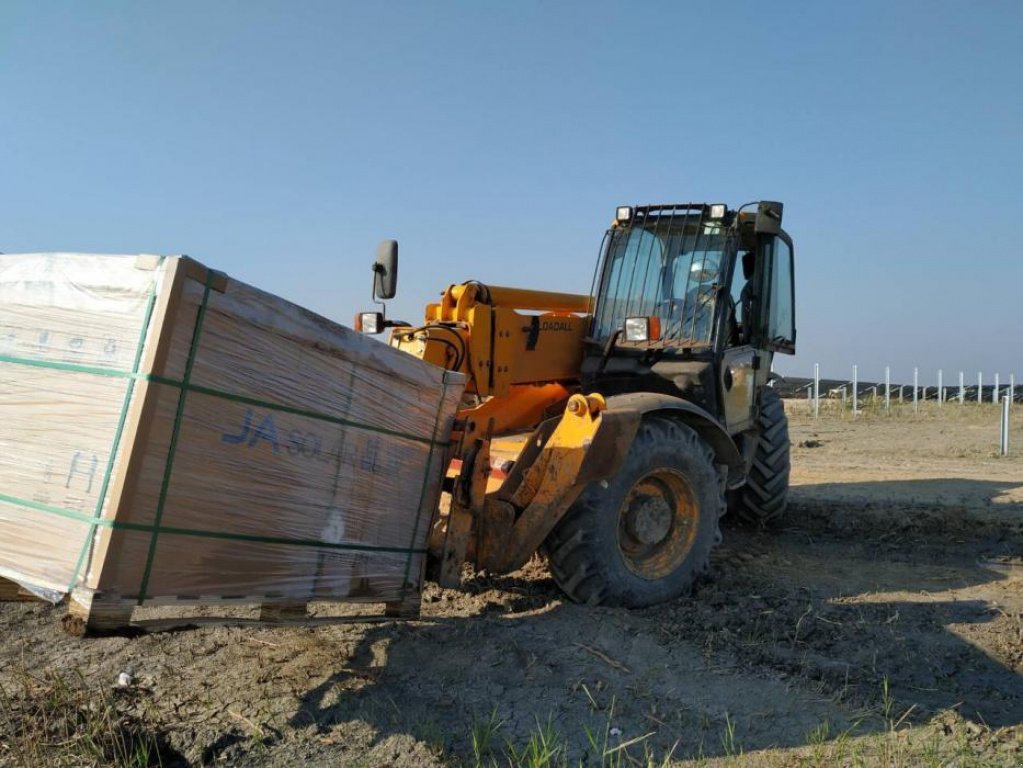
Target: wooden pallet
(111, 614)
(13, 592)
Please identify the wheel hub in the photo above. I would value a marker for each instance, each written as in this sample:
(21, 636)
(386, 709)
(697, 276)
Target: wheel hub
(649, 519)
(657, 524)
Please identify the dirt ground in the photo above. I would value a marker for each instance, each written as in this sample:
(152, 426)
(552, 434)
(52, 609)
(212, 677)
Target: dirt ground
(880, 623)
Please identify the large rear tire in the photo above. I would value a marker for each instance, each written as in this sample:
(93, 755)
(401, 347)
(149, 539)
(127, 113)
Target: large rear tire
(643, 536)
(763, 498)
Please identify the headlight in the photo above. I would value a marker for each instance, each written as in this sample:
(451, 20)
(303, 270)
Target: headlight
(369, 322)
(642, 329)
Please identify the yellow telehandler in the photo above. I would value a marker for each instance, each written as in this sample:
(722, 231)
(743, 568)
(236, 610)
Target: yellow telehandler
(612, 431)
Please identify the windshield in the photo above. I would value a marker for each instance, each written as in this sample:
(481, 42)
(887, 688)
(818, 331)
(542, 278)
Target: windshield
(669, 270)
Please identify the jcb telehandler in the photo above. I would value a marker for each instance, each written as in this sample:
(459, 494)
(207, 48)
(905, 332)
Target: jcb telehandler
(611, 431)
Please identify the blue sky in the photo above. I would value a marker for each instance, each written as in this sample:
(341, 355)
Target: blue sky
(280, 141)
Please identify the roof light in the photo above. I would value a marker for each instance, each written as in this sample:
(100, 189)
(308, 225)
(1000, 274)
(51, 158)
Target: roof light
(623, 214)
(718, 210)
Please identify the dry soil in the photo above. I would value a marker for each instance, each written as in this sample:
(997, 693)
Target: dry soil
(881, 621)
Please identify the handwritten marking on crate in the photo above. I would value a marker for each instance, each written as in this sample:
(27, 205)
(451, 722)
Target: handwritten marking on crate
(87, 468)
(45, 343)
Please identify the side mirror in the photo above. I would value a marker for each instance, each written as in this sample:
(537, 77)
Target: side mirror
(385, 270)
(768, 221)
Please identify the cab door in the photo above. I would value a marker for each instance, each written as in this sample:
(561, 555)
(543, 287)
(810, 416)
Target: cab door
(738, 387)
(767, 295)
(737, 377)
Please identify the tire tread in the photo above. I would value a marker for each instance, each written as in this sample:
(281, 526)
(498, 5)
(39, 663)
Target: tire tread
(764, 497)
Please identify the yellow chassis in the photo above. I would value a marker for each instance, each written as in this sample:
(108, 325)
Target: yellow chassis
(521, 351)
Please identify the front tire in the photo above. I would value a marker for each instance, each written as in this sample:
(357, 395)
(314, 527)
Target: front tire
(643, 536)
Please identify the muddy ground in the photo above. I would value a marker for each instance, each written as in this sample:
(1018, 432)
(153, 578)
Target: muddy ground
(882, 621)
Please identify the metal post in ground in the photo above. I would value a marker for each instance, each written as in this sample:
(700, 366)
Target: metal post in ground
(962, 389)
(901, 398)
(887, 389)
(1012, 387)
(941, 390)
(1003, 443)
(843, 388)
(855, 390)
(916, 388)
(980, 387)
(816, 390)
(994, 395)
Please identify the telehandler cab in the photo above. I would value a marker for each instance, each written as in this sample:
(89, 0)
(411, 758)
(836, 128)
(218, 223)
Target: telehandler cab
(611, 431)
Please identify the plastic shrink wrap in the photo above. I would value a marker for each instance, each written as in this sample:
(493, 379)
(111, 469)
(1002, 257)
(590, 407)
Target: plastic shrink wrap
(169, 433)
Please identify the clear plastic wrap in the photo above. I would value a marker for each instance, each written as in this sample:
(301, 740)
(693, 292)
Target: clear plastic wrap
(167, 433)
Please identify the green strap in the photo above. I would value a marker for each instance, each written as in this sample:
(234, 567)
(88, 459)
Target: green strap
(116, 443)
(59, 366)
(71, 514)
(426, 482)
(292, 410)
(219, 393)
(193, 350)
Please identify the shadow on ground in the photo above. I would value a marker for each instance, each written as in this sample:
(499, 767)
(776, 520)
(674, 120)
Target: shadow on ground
(975, 501)
(849, 615)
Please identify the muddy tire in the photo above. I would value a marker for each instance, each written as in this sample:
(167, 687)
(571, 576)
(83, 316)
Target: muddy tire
(643, 536)
(763, 498)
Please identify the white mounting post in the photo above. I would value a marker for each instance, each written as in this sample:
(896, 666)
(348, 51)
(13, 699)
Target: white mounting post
(901, 397)
(941, 390)
(994, 395)
(843, 388)
(855, 390)
(980, 387)
(1012, 387)
(816, 390)
(887, 389)
(1003, 443)
(916, 383)
(962, 389)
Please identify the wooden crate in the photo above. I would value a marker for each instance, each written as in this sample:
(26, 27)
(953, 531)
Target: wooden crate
(170, 434)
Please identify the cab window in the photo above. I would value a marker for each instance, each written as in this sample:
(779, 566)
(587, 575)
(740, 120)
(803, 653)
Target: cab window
(780, 325)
